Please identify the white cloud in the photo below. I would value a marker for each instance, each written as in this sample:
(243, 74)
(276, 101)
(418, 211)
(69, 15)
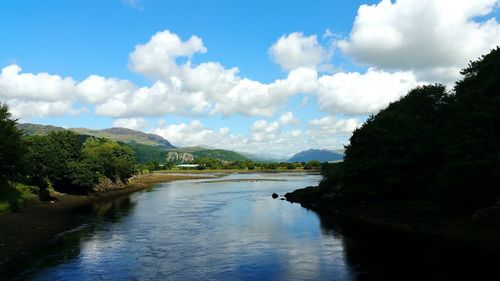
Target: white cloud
(434, 38)
(40, 87)
(159, 99)
(288, 119)
(187, 89)
(249, 97)
(195, 133)
(25, 109)
(331, 132)
(297, 50)
(331, 125)
(157, 58)
(267, 137)
(354, 93)
(36, 95)
(97, 89)
(130, 123)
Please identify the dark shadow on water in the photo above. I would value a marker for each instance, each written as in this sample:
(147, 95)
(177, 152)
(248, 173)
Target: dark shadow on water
(67, 246)
(373, 255)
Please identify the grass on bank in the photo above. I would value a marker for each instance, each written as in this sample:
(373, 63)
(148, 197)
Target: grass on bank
(18, 196)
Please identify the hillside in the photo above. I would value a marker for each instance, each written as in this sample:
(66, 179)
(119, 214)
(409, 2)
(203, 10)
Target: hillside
(126, 136)
(36, 129)
(321, 155)
(188, 154)
(118, 134)
(147, 147)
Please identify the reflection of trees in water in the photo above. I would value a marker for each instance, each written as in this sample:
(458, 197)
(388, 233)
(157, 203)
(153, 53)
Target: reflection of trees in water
(375, 254)
(113, 210)
(69, 246)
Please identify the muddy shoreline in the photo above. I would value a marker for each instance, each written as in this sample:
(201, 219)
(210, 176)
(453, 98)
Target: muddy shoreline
(27, 232)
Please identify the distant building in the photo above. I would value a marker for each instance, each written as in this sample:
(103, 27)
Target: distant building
(188, 165)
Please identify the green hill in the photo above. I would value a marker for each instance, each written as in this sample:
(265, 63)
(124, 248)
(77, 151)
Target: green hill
(36, 129)
(118, 134)
(126, 136)
(188, 154)
(147, 147)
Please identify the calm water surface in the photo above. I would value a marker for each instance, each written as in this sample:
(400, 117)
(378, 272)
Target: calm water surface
(231, 229)
(217, 229)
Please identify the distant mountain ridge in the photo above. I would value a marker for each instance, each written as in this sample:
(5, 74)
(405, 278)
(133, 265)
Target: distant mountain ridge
(118, 134)
(126, 135)
(321, 155)
(147, 147)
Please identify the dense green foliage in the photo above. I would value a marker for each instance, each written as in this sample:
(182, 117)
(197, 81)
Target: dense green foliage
(11, 147)
(431, 145)
(147, 153)
(12, 166)
(221, 154)
(108, 158)
(74, 164)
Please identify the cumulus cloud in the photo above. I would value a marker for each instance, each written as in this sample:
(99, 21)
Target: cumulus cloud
(263, 131)
(36, 95)
(434, 38)
(278, 137)
(97, 89)
(25, 109)
(333, 126)
(331, 132)
(187, 89)
(209, 88)
(354, 93)
(157, 58)
(195, 133)
(130, 123)
(297, 50)
(40, 87)
(263, 135)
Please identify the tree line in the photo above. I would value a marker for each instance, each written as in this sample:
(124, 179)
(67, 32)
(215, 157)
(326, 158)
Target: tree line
(436, 146)
(64, 161)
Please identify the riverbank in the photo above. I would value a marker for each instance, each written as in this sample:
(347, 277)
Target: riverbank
(33, 228)
(477, 233)
(240, 171)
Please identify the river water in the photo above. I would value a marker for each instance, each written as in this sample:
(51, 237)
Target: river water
(225, 228)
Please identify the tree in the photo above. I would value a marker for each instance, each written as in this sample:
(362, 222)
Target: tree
(313, 164)
(11, 146)
(471, 136)
(109, 159)
(397, 148)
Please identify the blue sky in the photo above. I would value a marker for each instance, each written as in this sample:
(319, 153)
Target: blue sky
(267, 77)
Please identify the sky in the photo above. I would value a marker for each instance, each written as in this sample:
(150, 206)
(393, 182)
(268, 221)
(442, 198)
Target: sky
(264, 77)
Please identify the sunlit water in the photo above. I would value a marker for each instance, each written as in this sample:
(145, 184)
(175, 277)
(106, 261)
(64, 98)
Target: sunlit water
(217, 229)
(231, 229)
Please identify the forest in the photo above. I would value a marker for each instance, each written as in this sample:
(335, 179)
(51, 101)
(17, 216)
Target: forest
(436, 147)
(61, 161)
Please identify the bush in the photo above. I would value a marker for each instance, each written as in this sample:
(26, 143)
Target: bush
(15, 197)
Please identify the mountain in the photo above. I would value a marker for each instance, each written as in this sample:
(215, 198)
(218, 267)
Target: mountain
(147, 147)
(118, 134)
(321, 155)
(262, 157)
(126, 136)
(36, 129)
(188, 154)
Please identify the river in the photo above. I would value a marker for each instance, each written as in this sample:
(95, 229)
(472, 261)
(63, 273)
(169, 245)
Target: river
(227, 228)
